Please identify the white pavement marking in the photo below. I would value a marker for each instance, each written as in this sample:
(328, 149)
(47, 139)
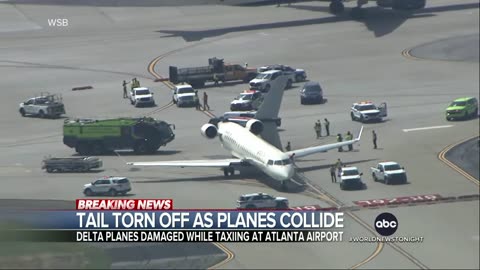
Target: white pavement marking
(425, 128)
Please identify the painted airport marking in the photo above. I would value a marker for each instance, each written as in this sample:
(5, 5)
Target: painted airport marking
(398, 200)
(315, 207)
(442, 157)
(426, 128)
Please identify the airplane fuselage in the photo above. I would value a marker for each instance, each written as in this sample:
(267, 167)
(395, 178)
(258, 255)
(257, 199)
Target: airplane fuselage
(245, 145)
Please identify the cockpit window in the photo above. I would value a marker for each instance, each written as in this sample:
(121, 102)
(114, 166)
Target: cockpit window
(283, 162)
(270, 162)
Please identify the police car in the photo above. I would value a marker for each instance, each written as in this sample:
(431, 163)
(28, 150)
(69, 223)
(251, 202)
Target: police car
(261, 200)
(246, 101)
(367, 111)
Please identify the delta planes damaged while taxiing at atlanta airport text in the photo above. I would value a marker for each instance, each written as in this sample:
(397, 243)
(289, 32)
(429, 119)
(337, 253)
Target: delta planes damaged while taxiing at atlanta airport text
(337, 7)
(256, 144)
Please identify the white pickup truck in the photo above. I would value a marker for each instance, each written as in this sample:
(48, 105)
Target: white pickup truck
(264, 80)
(45, 105)
(141, 96)
(389, 172)
(184, 95)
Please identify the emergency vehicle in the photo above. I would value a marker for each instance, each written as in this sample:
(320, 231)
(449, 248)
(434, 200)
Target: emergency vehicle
(367, 111)
(246, 101)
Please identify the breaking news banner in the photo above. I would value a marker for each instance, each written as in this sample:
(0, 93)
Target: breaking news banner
(155, 220)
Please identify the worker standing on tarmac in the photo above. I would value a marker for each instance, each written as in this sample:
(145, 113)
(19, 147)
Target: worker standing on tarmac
(339, 139)
(197, 105)
(288, 147)
(125, 89)
(215, 78)
(327, 126)
(332, 174)
(374, 138)
(318, 129)
(349, 137)
(205, 101)
(338, 164)
(134, 83)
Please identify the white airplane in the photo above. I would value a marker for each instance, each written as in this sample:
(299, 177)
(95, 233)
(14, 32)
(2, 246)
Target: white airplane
(255, 144)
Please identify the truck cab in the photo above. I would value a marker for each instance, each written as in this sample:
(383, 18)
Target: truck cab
(389, 172)
(235, 72)
(141, 96)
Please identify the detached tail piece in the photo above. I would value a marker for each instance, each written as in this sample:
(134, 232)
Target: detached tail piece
(268, 112)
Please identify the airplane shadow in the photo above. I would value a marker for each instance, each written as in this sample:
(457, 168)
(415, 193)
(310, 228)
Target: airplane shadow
(131, 153)
(220, 85)
(259, 176)
(380, 21)
(189, 179)
(327, 166)
(86, 172)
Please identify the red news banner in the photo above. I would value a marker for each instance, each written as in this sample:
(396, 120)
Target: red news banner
(124, 204)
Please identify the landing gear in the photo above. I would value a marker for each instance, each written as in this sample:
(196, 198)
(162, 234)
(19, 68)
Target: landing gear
(228, 171)
(284, 186)
(336, 7)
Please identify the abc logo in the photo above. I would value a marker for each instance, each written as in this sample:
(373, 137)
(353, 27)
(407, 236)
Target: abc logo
(386, 224)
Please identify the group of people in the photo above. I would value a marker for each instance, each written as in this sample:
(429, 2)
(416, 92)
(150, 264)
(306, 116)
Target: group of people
(348, 137)
(318, 128)
(340, 138)
(135, 83)
(206, 107)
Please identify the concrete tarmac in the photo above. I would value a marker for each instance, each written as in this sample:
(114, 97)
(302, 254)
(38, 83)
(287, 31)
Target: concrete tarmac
(353, 60)
(466, 156)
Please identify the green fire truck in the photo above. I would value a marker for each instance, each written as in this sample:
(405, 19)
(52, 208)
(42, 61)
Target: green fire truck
(143, 135)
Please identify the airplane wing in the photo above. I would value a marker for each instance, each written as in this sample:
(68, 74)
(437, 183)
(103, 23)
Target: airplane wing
(268, 112)
(189, 163)
(323, 148)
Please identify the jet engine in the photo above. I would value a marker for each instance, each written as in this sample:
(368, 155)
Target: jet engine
(255, 126)
(210, 131)
(402, 4)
